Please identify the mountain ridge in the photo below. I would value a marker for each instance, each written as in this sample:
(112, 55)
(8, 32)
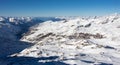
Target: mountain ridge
(74, 40)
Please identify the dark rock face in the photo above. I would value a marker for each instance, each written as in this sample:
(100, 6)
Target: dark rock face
(86, 36)
(75, 36)
(88, 25)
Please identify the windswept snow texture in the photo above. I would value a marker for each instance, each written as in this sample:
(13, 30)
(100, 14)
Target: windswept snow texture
(69, 40)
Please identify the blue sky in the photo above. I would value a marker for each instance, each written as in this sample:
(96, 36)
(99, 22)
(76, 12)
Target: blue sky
(58, 7)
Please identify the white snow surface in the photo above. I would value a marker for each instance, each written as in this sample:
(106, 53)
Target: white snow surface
(80, 41)
(92, 51)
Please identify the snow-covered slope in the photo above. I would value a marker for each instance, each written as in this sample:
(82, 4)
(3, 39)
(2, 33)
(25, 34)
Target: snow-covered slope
(72, 40)
(13, 27)
(81, 41)
(11, 30)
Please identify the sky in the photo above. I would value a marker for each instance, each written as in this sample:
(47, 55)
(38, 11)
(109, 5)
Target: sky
(58, 7)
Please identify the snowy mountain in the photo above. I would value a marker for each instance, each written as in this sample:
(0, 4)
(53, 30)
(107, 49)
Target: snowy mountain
(66, 40)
